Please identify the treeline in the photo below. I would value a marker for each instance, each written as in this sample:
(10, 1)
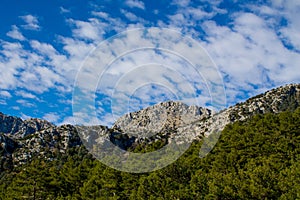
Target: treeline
(255, 159)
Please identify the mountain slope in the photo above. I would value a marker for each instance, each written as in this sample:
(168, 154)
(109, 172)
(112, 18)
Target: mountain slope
(23, 140)
(257, 158)
(284, 98)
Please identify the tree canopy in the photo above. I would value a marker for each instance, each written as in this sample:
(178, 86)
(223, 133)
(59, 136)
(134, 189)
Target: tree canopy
(255, 159)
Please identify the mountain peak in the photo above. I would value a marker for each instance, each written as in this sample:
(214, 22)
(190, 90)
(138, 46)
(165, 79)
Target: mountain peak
(160, 117)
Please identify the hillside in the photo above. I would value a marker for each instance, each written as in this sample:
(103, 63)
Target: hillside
(256, 157)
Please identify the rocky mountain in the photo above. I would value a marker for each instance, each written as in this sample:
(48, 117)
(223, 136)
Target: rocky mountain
(169, 120)
(165, 120)
(47, 141)
(284, 98)
(17, 128)
(22, 140)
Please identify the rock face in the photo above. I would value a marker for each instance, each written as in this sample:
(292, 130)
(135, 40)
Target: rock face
(17, 128)
(285, 98)
(169, 121)
(47, 143)
(9, 124)
(35, 138)
(163, 119)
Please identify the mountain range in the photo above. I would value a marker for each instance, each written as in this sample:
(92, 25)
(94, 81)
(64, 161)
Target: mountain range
(21, 140)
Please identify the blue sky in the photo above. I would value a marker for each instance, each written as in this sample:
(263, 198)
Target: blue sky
(255, 46)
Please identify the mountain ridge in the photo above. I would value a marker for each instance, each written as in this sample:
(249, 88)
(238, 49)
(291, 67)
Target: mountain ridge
(23, 139)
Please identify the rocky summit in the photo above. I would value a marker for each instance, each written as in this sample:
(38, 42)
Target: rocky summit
(162, 120)
(17, 128)
(21, 140)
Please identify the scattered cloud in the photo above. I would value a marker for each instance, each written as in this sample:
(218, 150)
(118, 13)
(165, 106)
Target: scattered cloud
(25, 103)
(31, 21)
(11, 56)
(135, 4)
(5, 94)
(15, 33)
(250, 53)
(257, 48)
(52, 117)
(43, 48)
(181, 3)
(90, 30)
(192, 16)
(82, 119)
(290, 32)
(24, 116)
(64, 10)
(3, 102)
(16, 107)
(129, 15)
(102, 15)
(26, 94)
(68, 120)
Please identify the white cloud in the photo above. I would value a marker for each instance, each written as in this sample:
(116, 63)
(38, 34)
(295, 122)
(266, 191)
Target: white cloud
(177, 19)
(3, 102)
(278, 11)
(15, 33)
(43, 48)
(52, 117)
(135, 4)
(31, 21)
(181, 3)
(68, 120)
(64, 10)
(90, 30)
(36, 71)
(102, 15)
(130, 15)
(25, 103)
(188, 17)
(249, 50)
(5, 94)
(16, 108)
(27, 94)
(94, 29)
(291, 31)
(250, 53)
(83, 118)
(24, 116)
(197, 14)
(11, 60)
(39, 79)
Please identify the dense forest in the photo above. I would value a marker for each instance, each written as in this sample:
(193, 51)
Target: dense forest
(255, 159)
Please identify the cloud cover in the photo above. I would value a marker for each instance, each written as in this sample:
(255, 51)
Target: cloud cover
(256, 46)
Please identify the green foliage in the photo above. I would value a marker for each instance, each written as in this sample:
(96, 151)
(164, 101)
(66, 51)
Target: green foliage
(255, 159)
(145, 148)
